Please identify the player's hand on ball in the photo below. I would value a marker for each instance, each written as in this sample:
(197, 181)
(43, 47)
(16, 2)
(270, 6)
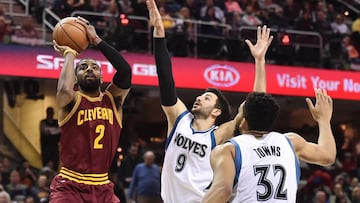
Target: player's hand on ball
(64, 49)
(90, 30)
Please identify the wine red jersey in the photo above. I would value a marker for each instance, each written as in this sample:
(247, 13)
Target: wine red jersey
(90, 135)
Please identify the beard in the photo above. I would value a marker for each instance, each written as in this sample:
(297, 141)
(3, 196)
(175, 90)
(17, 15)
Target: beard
(89, 86)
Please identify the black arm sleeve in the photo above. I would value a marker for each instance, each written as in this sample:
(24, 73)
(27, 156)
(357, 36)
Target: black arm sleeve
(164, 70)
(122, 77)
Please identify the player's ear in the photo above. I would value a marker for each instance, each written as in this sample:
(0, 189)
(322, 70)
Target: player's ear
(216, 112)
(244, 124)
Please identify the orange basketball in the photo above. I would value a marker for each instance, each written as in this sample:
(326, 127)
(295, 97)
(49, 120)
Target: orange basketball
(68, 32)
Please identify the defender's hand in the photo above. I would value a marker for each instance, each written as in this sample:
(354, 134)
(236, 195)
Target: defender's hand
(322, 111)
(263, 42)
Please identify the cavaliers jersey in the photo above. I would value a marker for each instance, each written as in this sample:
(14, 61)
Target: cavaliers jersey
(267, 169)
(186, 170)
(89, 137)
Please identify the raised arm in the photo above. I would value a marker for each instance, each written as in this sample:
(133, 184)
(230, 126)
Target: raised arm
(121, 81)
(223, 165)
(65, 89)
(226, 130)
(324, 151)
(258, 51)
(171, 105)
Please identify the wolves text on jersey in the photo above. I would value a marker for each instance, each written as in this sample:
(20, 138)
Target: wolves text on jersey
(190, 145)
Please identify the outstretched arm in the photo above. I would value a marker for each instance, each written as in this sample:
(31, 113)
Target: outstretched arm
(171, 105)
(226, 130)
(258, 51)
(223, 166)
(324, 152)
(65, 90)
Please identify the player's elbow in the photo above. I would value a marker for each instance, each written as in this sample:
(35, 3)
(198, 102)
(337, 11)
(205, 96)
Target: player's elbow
(329, 159)
(223, 191)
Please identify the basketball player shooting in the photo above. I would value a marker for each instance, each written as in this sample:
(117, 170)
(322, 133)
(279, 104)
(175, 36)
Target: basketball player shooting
(90, 121)
(192, 135)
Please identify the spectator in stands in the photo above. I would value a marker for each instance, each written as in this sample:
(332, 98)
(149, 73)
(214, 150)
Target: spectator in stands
(4, 197)
(339, 26)
(355, 27)
(5, 27)
(145, 183)
(320, 197)
(30, 199)
(331, 12)
(127, 167)
(27, 34)
(232, 6)
(140, 8)
(249, 18)
(49, 140)
(339, 194)
(181, 40)
(352, 54)
(322, 26)
(305, 22)
(306, 10)
(291, 10)
(194, 7)
(28, 174)
(41, 191)
(15, 188)
(218, 13)
(77, 5)
(5, 169)
(167, 20)
(126, 7)
(278, 20)
(356, 195)
(271, 6)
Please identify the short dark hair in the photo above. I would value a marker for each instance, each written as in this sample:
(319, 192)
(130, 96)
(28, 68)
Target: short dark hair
(221, 103)
(261, 111)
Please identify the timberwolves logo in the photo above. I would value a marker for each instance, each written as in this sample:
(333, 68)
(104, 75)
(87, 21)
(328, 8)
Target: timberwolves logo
(221, 75)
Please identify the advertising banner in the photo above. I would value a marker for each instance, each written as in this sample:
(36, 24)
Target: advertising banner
(44, 62)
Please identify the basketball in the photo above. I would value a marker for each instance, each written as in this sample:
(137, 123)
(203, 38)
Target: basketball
(68, 32)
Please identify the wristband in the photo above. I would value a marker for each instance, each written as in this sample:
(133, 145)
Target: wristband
(70, 51)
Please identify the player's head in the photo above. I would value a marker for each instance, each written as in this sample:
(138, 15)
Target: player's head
(260, 111)
(88, 75)
(212, 103)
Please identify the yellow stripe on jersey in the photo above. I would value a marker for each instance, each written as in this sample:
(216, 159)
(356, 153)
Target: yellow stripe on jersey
(88, 178)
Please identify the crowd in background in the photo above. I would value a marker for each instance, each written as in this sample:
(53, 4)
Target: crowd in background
(218, 33)
(340, 32)
(337, 183)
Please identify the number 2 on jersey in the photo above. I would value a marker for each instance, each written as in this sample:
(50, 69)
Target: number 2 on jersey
(263, 170)
(180, 163)
(100, 129)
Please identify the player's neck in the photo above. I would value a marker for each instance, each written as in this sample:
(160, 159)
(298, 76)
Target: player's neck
(255, 133)
(95, 93)
(202, 124)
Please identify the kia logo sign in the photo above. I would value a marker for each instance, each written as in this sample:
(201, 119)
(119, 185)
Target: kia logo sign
(221, 75)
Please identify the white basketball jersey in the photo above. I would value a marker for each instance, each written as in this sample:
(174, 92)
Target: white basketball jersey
(186, 172)
(267, 169)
